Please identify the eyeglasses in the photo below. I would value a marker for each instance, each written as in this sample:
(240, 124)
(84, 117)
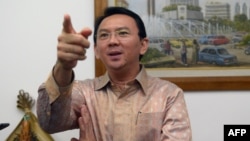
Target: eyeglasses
(119, 34)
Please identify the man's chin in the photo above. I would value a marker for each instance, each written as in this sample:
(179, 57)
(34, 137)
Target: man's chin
(116, 66)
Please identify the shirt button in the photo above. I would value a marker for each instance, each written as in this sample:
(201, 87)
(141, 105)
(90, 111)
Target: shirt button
(48, 113)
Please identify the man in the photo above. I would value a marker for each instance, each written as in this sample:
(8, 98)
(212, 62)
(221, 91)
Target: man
(184, 53)
(125, 104)
(167, 47)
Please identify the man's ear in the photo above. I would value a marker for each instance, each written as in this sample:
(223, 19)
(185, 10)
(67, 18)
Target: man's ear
(144, 46)
(97, 56)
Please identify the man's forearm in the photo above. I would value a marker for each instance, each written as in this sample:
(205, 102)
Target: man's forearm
(62, 76)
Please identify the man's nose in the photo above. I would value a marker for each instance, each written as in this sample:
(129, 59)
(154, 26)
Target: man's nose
(113, 38)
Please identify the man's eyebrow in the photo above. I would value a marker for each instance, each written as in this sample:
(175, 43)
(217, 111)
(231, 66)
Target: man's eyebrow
(103, 30)
(122, 28)
(117, 29)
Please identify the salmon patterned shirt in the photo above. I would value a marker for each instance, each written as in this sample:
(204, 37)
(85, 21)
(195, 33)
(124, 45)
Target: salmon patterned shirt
(147, 109)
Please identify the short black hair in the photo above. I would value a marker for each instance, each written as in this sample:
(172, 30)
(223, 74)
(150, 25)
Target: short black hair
(109, 11)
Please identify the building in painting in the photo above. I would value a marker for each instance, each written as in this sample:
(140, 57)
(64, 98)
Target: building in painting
(122, 3)
(217, 9)
(226, 9)
(182, 10)
(151, 7)
(240, 7)
(183, 2)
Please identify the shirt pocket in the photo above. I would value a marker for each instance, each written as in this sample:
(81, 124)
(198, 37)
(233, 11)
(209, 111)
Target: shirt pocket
(149, 125)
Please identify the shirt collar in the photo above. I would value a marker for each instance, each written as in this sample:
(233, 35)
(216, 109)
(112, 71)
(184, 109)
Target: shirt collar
(142, 78)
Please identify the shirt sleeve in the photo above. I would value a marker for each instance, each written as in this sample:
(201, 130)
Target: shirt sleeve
(54, 90)
(176, 123)
(54, 107)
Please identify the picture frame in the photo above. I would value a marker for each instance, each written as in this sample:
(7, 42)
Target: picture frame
(188, 83)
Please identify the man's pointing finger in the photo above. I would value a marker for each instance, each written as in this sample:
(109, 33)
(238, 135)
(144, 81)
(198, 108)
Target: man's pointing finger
(67, 25)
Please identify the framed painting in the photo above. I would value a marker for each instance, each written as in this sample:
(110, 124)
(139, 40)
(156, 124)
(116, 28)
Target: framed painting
(221, 58)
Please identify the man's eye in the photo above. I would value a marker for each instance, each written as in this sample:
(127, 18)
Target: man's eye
(103, 35)
(123, 33)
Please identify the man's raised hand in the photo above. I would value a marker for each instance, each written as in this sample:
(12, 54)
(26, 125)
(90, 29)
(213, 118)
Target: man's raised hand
(72, 45)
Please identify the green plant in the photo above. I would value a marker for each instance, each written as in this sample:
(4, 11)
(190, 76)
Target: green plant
(151, 54)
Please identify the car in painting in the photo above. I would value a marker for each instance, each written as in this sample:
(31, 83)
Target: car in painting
(237, 38)
(156, 43)
(217, 55)
(205, 38)
(218, 40)
(156, 40)
(247, 50)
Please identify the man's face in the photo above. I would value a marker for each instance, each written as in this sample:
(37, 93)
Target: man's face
(118, 44)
